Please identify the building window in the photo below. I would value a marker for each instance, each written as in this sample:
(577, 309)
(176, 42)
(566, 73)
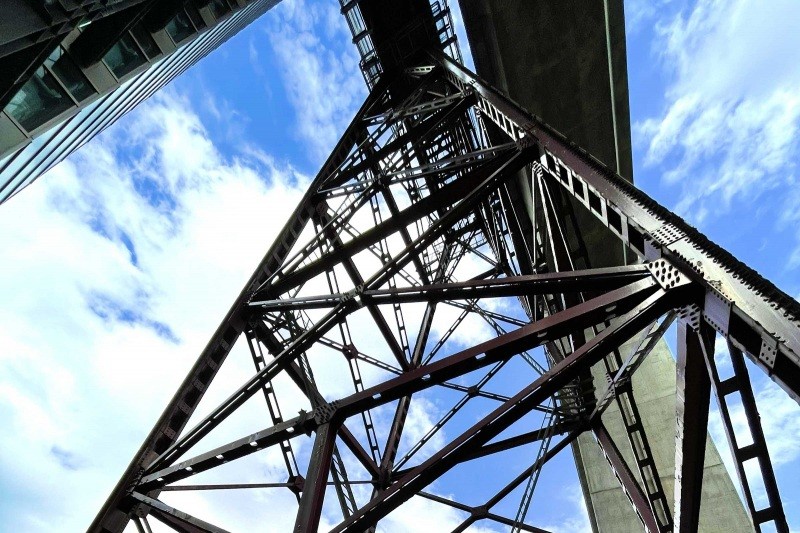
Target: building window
(179, 27)
(219, 8)
(39, 100)
(124, 56)
(195, 17)
(70, 75)
(146, 41)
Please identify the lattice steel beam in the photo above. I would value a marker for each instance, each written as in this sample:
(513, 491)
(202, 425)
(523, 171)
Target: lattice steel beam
(415, 192)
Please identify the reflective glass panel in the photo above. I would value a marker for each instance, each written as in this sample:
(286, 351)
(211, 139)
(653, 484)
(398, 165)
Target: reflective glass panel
(69, 74)
(146, 41)
(195, 17)
(124, 56)
(219, 8)
(39, 100)
(180, 27)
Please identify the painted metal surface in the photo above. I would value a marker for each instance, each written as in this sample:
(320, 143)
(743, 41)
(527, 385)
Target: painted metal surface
(421, 181)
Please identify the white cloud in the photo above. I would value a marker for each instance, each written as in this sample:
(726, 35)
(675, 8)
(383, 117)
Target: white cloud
(638, 13)
(729, 130)
(148, 215)
(790, 218)
(322, 80)
(576, 518)
(253, 56)
(722, 358)
(129, 255)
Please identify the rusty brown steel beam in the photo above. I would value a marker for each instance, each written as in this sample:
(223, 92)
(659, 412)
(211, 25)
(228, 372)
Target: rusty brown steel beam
(693, 395)
(623, 473)
(751, 312)
(468, 202)
(177, 520)
(740, 382)
(593, 280)
(480, 513)
(556, 326)
(502, 417)
(332, 318)
(454, 192)
(312, 393)
(313, 495)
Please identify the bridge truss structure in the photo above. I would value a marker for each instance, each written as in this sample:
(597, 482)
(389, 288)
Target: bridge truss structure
(422, 213)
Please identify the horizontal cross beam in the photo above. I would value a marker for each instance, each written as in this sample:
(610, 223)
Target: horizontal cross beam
(595, 280)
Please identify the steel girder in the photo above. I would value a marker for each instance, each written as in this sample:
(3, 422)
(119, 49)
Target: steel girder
(560, 224)
(415, 207)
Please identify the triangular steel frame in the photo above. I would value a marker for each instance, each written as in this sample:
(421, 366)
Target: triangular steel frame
(434, 169)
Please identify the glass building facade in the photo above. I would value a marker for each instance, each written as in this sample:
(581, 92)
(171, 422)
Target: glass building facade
(63, 104)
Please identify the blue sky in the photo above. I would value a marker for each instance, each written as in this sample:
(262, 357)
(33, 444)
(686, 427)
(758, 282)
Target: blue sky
(132, 250)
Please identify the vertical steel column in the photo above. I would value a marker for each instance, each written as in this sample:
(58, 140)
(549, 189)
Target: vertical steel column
(693, 396)
(316, 482)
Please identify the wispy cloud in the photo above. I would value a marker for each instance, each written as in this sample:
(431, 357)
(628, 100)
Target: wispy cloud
(790, 218)
(576, 515)
(729, 130)
(640, 13)
(147, 215)
(255, 59)
(319, 68)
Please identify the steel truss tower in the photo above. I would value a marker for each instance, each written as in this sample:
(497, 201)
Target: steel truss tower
(439, 172)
